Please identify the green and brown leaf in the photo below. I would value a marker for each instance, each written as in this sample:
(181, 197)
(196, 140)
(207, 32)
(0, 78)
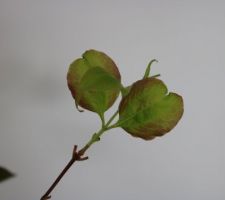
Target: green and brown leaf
(94, 81)
(149, 110)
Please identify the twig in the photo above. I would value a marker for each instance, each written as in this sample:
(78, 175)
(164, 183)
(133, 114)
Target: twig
(78, 155)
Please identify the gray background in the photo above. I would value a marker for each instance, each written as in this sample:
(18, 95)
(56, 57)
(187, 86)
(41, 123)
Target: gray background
(38, 121)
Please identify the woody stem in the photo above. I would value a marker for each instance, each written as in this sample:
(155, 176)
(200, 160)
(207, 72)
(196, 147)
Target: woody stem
(77, 156)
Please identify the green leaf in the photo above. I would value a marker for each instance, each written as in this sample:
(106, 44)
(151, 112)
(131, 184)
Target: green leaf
(98, 87)
(83, 92)
(148, 111)
(5, 174)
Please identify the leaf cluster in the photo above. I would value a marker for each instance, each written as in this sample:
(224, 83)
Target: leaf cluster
(146, 110)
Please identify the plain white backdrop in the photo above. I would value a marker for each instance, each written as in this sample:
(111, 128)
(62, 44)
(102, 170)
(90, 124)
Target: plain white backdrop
(38, 121)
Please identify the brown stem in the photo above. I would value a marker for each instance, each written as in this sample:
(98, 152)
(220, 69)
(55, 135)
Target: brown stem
(76, 156)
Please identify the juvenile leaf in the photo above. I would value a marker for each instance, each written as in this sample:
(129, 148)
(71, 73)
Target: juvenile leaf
(100, 78)
(5, 174)
(148, 111)
(98, 89)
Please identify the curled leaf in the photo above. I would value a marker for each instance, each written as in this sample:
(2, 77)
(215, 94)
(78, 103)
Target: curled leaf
(149, 110)
(94, 81)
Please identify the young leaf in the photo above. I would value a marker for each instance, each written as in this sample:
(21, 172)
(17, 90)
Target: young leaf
(148, 111)
(84, 95)
(5, 174)
(98, 89)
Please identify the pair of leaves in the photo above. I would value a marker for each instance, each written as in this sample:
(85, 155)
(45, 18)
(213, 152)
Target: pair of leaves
(5, 174)
(147, 109)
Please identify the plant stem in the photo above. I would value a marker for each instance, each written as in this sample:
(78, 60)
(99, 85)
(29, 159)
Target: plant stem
(77, 155)
(102, 117)
(112, 118)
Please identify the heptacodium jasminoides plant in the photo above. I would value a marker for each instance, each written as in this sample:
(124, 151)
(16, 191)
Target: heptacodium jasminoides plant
(146, 110)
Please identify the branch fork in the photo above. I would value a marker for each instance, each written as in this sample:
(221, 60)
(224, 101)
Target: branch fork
(76, 156)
